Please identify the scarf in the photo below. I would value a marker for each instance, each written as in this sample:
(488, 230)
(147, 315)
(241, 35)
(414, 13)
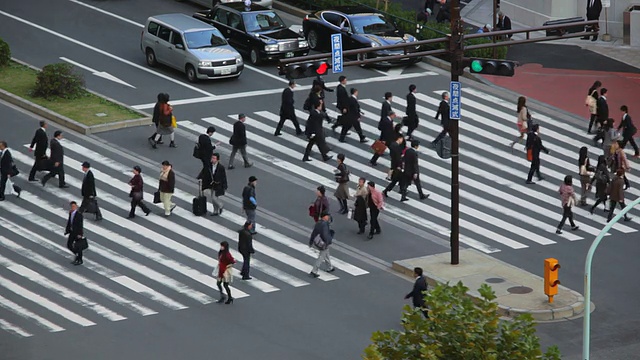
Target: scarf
(164, 175)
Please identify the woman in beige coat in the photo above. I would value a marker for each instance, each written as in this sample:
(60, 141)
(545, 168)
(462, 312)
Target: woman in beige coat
(524, 117)
(616, 194)
(166, 186)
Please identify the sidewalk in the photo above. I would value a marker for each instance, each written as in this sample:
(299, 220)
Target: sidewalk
(517, 291)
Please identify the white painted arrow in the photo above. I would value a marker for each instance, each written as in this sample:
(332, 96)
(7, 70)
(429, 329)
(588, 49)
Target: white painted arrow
(102, 74)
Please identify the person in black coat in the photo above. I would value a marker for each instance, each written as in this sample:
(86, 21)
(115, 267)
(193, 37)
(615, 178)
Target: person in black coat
(417, 293)
(386, 106)
(245, 248)
(40, 141)
(395, 151)
(6, 170)
(319, 82)
(88, 191)
(444, 13)
(238, 141)
(214, 178)
(443, 114)
(315, 133)
(287, 110)
(75, 230)
(57, 158)
(412, 168)
(628, 130)
(206, 147)
(137, 193)
(534, 144)
(155, 118)
(342, 102)
(594, 8)
(387, 134)
(411, 121)
(352, 118)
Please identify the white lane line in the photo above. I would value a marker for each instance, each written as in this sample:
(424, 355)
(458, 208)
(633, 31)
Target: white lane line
(418, 220)
(19, 310)
(223, 231)
(262, 72)
(48, 244)
(102, 52)
(427, 209)
(250, 94)
(103, 74)
(14, 329)
(44, 302)
(61, 290)
(108, 13)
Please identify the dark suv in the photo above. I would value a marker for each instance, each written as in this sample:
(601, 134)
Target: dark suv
(255, 31)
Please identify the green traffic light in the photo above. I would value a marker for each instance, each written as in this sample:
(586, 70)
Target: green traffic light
(476, 66)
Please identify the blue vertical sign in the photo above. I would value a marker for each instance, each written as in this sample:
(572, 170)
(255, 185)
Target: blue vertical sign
(336, 51)
(455, 93)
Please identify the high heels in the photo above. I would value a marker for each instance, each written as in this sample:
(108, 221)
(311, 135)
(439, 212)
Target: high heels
(229, 300)
(221, 300)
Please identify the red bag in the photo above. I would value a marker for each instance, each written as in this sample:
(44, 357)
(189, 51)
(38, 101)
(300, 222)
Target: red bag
(378, 147)
(529, 154)
(312, 211)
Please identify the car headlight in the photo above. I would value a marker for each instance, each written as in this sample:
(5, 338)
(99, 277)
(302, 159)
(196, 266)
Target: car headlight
(269, 48)
(303, 43)
(204, 64)
(239, 60)
(374, 44)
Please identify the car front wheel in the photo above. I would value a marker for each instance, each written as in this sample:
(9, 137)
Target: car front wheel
(191, 73)
(254, 56)
(312, 38)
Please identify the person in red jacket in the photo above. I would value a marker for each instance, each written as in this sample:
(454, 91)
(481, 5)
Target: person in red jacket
(136, 193)
(225, 272)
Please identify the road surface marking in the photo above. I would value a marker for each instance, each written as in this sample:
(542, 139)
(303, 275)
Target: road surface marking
(16, 330)
(19, 310)
(102, 74)
(108, 13)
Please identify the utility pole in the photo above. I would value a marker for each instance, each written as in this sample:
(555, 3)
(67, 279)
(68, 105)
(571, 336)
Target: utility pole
(457, 67)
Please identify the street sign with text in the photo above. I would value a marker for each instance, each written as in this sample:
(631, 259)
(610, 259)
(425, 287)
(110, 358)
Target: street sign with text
(455, 92)
(606, 3)
(336, 53)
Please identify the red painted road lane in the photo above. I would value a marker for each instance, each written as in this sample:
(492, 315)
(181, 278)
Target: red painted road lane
(567, 89)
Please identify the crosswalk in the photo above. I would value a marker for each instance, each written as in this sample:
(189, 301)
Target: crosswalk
(498, 210)
(136, 267)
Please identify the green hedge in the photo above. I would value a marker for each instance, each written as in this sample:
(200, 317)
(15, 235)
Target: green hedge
(406, 21)
(59, 80)
(5, 53)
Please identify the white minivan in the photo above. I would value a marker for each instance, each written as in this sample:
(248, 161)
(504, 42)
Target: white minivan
(186, 44)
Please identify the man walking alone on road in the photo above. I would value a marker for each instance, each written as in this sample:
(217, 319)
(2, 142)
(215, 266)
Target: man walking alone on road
(628, 130)
(40, 141)
(57, 157)
(417, 293)
(534, 144)
(443, 113)
(245, 248)
(249, 202)
(88, 191)
(342, 101)
(321, 238)
(315, 133)
(75, 230)
(238, 141)
(288, 110)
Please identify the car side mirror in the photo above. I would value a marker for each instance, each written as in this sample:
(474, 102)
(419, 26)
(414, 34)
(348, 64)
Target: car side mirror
(180, 46)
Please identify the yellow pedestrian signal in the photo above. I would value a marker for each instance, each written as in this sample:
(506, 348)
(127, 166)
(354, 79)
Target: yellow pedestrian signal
(551, 280)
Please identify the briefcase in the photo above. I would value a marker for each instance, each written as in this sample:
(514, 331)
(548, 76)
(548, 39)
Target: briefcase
(199, 205)
(92, 206)
(379, 147)
(81, 244)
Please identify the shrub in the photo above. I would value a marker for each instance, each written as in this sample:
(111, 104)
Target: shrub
(5, 53)
(59, 80)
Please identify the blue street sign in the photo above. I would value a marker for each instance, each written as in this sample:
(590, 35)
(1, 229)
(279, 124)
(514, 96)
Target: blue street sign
(455, 93)
(336, 51)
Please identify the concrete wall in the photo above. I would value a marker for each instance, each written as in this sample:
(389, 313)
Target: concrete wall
(536, 12)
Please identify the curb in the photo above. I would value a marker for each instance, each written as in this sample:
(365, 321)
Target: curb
(70, 123)
(549, 315)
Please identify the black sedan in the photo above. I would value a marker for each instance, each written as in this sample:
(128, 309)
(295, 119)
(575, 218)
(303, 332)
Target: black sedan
(255, 31)
(361, 28)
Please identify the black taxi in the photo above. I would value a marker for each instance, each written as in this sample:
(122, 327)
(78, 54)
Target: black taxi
(255, 31)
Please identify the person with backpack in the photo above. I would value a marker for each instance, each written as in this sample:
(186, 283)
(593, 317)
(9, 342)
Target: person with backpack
(342, 178)
(568, 198)
(322, 238)
(534, 146)
(585, 170)
(602, 179)
(616, 194)
(628, 130)
(204, 148)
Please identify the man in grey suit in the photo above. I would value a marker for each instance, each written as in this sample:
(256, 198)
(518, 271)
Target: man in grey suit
(57, 157)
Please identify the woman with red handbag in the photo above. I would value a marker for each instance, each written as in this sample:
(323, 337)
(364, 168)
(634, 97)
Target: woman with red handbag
(225, 272)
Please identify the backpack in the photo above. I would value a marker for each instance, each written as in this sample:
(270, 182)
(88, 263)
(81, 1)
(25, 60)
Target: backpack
(196, 150)
(601, 177)
(307, 104)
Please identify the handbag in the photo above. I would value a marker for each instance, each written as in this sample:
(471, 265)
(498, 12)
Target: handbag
(379, 147)
(571, 202)
(14, 170)
(529, 154)
(174, 122)
(156, 197)
(319, 243)
(214, 273)
(92, 206)
(81, 244)
(350, 213)
(584, 170)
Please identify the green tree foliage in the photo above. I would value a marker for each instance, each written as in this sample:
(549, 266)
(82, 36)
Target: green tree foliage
(436, 30)
(59, 80)
(459, 328)
(5, 53)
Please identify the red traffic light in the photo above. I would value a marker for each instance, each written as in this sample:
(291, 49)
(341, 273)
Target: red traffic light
(322, 68)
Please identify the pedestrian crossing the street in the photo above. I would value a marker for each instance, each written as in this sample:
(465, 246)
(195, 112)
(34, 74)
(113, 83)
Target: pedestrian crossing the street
(498, 210)
(133, 267)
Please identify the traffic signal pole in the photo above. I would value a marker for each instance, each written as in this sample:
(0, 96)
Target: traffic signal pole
(457, 54)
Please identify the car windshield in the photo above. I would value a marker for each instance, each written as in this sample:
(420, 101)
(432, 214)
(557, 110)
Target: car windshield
(372, 24)
(262, 21)
(204, 39)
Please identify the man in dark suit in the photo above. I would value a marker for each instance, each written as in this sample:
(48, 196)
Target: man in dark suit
(245, 248)
(205, 146)
(214, 178)
(75, 230)
(315, 133)
(342, 102)
(628, 130)
(602, 115)
(57, 157)
(387, 134)
(443, 113)
(411, 121)
(417, 293)
(287, 109)
(40, 141)
(397, 176)
(238, 141)
(594, 8)
(319, 81)
(88, 191)
(352, 118)
(6, 170)
(534, 143)
(412, 168)
(386, 106)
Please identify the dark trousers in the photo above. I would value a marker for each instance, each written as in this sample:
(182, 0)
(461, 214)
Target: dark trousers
(375, 225)
(206, 163)
(612, 207)
(361, 226)
(347, 126)
(397, 177)
(535, 168)
(339, 121)
(3, 184)
(566, 214)
(136, 200)
(85, 204)
(445, 131)
(70, 241)
(37, 165)
(630, 140)
(376, 156)
(319, 141)
(416, 182)
(294, 120)
(593, 119)
(592, 28)
(412, 125)
(59, 171)
(246, 263)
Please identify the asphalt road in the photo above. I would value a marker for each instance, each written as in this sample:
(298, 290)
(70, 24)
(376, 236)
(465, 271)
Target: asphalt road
(500, 215)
